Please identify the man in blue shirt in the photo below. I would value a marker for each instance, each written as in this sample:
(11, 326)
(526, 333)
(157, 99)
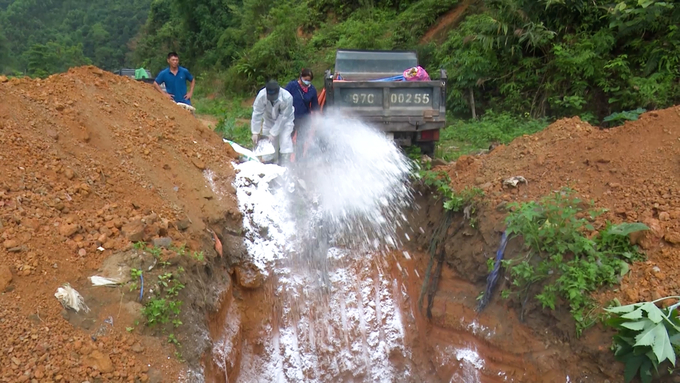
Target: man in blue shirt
(175, 78)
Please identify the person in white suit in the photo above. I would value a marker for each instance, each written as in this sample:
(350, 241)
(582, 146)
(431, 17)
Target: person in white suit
(273, 117)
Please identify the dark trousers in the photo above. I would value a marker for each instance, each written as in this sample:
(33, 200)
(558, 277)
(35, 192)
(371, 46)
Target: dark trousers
(301, 130)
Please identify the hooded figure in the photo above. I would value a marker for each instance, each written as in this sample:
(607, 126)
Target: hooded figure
(273, 116)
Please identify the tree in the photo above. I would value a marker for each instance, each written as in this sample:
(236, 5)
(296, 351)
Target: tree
(103, 28)
(44, 59)
(5, 54)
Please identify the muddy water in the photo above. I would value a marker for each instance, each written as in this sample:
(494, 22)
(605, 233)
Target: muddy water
(369, 329)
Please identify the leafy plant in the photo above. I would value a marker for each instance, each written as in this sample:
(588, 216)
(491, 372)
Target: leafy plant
(155, 251)
(180, 250)
(414, 153)
(562, 261)
(172, 339)
(199, 256)
(619, 118)
(159, 311)
(646, 337)
(453, 201)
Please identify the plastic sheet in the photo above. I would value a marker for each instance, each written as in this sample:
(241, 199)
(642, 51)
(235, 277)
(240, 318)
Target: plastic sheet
(492, 279)
(70, 298)
(103, 281)
(416, 74)
(245, 153)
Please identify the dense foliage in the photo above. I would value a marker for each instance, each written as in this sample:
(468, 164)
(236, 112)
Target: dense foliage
(559, 58)
(43, 37)
(546, 57)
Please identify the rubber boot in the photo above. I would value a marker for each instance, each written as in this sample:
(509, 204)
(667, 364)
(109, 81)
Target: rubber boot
(284, 160)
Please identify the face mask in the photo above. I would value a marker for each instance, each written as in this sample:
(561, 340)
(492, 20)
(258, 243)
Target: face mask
(306, 82)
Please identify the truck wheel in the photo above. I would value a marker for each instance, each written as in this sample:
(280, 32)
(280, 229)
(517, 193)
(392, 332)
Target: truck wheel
(427, 148)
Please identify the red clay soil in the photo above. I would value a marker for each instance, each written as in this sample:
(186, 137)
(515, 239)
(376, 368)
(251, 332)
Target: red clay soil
(85, 155)
(630, 170)
(445, 23)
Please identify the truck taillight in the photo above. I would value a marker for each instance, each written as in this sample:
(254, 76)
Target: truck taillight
(429, 135)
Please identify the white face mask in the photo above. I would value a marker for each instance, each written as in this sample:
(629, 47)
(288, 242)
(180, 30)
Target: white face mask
(306, 82)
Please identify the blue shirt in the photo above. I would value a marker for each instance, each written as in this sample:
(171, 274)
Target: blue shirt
(304, 103)
(176, 85)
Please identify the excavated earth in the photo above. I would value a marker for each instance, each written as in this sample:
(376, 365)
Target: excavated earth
(92, 163)
(631, 171)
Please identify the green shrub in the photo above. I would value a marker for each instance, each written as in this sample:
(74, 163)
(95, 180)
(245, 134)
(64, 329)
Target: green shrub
(562, 261)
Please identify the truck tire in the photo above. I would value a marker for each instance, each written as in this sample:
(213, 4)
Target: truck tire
(427, 148)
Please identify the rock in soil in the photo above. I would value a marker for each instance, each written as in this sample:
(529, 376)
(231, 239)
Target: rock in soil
(5, 277)
(99, 361)
(164, 242)
(249, 276)
(134, 231)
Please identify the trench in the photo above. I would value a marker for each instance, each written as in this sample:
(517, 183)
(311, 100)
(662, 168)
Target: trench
(370, 328)
(354, 314)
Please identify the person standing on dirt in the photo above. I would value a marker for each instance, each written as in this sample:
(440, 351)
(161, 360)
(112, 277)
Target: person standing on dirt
(273, 117)
(175, 78)
(305, 101)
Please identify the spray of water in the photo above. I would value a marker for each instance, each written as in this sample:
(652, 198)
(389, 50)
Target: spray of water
(358, 179)
(326, 219)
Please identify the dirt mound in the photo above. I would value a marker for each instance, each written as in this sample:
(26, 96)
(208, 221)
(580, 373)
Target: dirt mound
(91, 162)
(630, 170)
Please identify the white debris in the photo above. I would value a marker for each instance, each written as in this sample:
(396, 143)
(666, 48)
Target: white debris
(264, 148)
(268, 228)
(407, 255)
(471, 357)
(103, 281)
(70, 298)
(186, 106)
(247, 154)
(513, 181)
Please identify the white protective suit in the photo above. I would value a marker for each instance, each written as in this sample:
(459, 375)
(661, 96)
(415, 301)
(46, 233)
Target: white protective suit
(274, 120)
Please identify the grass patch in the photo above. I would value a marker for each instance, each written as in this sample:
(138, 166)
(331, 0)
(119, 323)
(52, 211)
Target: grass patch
(236, 131)
(233, 119)
(562, 260)
(464, 137)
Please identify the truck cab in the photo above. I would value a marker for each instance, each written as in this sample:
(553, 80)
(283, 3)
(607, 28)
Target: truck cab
(364, 85)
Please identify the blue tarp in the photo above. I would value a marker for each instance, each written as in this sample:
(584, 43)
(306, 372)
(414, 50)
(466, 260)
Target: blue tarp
(394, 78)
(386, 79)
(493, 276)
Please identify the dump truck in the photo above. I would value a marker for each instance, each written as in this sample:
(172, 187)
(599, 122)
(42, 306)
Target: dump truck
(410, 112)
(131, 73)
